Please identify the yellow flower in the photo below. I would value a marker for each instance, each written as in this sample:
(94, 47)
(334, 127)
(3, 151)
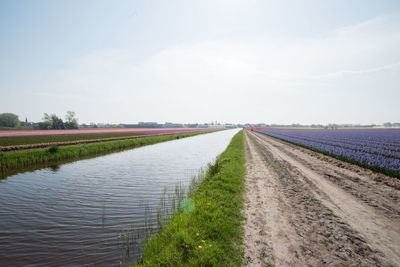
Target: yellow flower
(197, 234)
(210, 245)
(203, 241)
(200, 246)
(208, 203)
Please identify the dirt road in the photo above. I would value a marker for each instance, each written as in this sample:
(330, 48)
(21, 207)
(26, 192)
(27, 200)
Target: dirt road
(307, 209)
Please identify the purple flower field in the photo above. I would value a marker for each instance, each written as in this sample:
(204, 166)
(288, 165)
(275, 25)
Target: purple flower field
(378, 149)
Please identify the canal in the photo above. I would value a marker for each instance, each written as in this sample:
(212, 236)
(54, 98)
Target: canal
(73, 214)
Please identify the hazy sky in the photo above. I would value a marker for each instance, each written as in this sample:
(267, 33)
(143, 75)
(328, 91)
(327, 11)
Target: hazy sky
(200, 61)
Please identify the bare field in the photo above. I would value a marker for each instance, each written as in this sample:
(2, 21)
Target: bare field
(307, 209)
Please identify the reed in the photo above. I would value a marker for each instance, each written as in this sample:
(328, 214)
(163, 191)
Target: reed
(127, 239)
(168, 207)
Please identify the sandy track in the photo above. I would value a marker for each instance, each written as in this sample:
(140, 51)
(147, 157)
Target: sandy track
(269, 237)
(307, 209)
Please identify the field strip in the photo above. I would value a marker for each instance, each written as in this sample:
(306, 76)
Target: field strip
(380, 232)
(83, 140)
(84, 131)
(65, 143)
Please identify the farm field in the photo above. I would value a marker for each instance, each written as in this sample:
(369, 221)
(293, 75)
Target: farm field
(15, 140)
(100, 131)
(26, 140)
(305, 208)
(376, 149)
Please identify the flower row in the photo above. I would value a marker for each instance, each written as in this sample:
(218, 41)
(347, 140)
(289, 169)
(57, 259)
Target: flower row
(41, 145)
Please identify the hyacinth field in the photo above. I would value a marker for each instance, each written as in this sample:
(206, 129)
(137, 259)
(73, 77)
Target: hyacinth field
(376, 149)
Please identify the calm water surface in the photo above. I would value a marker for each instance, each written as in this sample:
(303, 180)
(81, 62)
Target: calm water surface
(72, 215)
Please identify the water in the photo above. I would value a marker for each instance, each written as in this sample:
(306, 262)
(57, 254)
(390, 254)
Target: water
(73, 214)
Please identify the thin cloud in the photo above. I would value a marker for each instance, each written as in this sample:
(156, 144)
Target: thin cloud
(200, 76)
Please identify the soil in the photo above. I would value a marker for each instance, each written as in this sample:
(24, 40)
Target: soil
(307, 209)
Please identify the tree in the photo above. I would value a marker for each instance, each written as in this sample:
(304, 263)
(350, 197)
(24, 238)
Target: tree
(51, 122)
(70, 121)
(56, 122)
(9, 120)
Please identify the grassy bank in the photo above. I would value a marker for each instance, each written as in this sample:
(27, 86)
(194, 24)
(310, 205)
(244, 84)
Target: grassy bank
(15, 160)
(26, 140)
(212, 234)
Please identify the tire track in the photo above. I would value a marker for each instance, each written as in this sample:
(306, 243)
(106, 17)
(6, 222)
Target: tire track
(269, 238)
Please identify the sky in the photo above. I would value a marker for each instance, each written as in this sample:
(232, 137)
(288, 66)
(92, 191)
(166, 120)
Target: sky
(271, 61)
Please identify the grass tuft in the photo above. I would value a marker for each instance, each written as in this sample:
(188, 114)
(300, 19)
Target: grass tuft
(52, 149)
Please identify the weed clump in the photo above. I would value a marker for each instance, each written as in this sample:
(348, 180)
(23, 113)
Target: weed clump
(213, 168)
(52, 149)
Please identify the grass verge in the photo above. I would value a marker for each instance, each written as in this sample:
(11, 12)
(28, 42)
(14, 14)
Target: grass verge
(4, 128)
(212, 234)
(345, 159)
(15, 160)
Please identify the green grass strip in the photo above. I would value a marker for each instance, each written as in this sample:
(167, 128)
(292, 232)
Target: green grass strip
(15, 160)
(4, 128)
(27, 140)
(212, 234)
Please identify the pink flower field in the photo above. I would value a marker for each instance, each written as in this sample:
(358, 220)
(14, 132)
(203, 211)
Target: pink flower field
(101, 131)
(143, 133)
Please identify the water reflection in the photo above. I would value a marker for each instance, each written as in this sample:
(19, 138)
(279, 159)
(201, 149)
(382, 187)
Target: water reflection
(54, 168)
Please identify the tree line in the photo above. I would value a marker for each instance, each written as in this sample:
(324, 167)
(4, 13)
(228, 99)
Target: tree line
(49, 122)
